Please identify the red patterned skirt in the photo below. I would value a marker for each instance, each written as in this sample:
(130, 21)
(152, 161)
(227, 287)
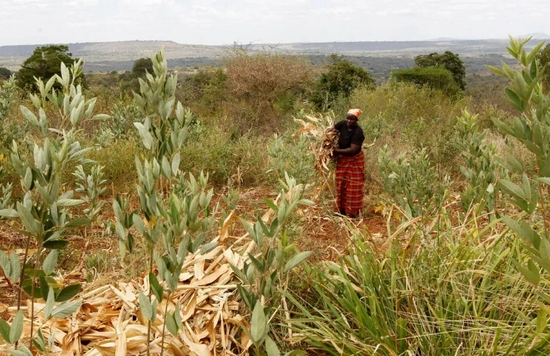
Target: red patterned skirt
(350, 178)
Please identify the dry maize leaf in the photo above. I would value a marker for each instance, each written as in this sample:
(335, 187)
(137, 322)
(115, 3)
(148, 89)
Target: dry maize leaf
(224, 231)
(72, 344)
(198, 268)
(245, 341)
(189, 309)
(98, 335)
(178, 350)
(185, 276)
(122, 297)
(107, 347)
(218, 258)
(95, 293)
(93, 352)
(212, 276)
(195, 347)
(233, 258)
(306, 129)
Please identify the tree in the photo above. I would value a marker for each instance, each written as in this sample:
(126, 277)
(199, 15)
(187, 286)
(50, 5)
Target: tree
(142, 66)
(44, 63)
(339, 80)
(447, 60)
(543, 58)
(256, 83)
(433, 77)
(5, 73)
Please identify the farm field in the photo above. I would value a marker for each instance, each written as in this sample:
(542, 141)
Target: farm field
(187, 213)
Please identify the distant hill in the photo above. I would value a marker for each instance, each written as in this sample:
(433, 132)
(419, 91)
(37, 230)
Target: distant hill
(109, 56)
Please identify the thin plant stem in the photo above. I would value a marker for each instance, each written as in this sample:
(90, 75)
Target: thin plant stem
(149, 295)
(22, 276)
(164, 326)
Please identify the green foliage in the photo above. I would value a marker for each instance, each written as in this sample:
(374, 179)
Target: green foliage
(447, 60)
(233, 161)
(43, 64)
(123, 114)
(264, 277)
(141, 67)
(480, 168)
(413, 183)
(339, 80)
(46, 211)
(205, 91)
(530, 191)
(432, 77)
(290, 155)
(5, 73)
(543, 59)
(9, 129)
(457, 295)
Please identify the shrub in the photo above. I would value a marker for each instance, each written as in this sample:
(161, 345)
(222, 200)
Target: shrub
(43, 64)
(227, 159)
(432, 77)
(256, 83)
(339, 80)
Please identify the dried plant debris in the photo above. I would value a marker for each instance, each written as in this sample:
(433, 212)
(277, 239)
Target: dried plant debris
(110, 321)
(325, 137)
(325, 154)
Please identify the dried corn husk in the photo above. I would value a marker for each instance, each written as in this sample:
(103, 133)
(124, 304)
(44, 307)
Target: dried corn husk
(321, 130)
(110, 322)
(325, 151)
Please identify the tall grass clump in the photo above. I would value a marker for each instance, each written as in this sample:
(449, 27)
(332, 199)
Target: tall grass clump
(459, 295)
(231, 160)
(406, 117)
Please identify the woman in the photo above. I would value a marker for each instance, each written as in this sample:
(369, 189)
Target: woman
(350, 166)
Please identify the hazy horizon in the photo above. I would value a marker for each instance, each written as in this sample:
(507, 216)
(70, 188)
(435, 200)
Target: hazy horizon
(216, 22)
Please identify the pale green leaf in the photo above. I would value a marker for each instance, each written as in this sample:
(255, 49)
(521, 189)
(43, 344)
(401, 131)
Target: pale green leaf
(296, 260)
(65, 309)
(271, 347)
(258, 324)
(50, 262)
(16, 327)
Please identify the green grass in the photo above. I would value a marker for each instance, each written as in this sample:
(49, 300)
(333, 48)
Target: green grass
(452, 293)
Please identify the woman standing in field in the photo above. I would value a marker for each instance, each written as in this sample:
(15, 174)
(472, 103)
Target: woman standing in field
(350, 166)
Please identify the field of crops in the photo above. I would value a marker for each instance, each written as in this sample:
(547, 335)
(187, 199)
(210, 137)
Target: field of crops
(173, 222)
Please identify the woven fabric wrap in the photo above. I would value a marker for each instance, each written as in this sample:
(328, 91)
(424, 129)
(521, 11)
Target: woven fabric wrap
(350, 177)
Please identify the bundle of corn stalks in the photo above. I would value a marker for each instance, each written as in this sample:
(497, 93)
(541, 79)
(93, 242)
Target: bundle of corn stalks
(110, 320)
(326, 138)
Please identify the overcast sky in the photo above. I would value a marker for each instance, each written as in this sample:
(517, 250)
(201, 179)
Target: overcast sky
(221, 22)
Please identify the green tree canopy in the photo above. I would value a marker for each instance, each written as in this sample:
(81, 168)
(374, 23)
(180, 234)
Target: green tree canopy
(339, 80)
(433, 77)
(141, 66)
(447, 60)
(543, 57)
(44, 63)
(5, 73)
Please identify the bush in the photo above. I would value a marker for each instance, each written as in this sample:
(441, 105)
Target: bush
(119, 162)
(230, 160)
(405, 117)
(43, 64)
(339, 80)
(432, 77)
(256, 84)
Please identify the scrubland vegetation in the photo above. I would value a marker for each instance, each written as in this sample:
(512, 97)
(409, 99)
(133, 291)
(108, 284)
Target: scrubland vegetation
(130, 180)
